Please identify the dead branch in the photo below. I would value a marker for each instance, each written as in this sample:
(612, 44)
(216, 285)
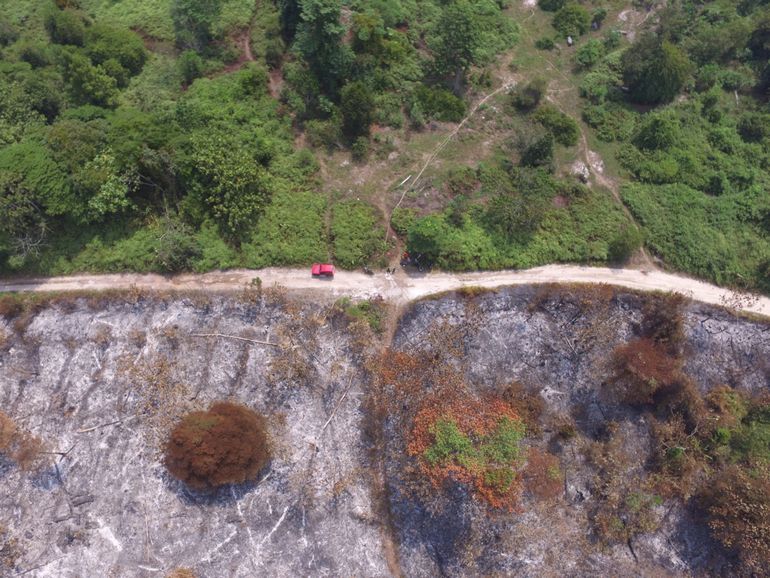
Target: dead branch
(235, 337)
(90, 429)
(336, 407)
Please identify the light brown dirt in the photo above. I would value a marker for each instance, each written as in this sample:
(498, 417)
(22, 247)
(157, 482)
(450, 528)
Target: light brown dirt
(401, 287)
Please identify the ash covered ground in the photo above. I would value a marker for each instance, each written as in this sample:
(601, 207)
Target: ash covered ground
(558, 344)
(101, 381)
(108, 507)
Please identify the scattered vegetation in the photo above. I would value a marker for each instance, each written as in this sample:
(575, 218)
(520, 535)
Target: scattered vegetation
(23, 448)
(372, 311)
(477, 442)
(225, 444)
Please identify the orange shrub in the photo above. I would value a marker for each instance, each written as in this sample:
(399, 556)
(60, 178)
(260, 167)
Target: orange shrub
(544, 478)
(642, 368)
(225, 445)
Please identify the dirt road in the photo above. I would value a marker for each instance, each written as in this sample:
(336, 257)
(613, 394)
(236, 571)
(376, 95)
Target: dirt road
(401, 287)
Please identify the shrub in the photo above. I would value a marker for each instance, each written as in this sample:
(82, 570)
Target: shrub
(177, 247)
(440, 104)
(551, 5)
(359, 150)
(598, 17)
(537, 151)
(225, 444)
(8, 32)
(611, 121)
(474, 441)
(544, 43)
(543, 476)
(564, 129)
(590, 53)
(356, 234)
(357, 108)
(66, 27)
(572, 20)
(737, 502)
(190, 66)
(642, 368)
(401, 220)
(105, 43)
(21, 447)
(35, 54)
(655, 70)
(461, 180)
(181, 573)
(663, 322)
(323, 133)
(528, 97)
(627, 241)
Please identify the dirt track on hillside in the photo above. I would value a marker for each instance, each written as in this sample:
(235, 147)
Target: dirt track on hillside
(401, 287)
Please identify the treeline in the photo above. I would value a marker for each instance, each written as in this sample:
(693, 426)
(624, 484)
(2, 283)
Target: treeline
(122, 151)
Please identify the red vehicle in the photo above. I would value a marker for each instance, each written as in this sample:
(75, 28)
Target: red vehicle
(322, 270)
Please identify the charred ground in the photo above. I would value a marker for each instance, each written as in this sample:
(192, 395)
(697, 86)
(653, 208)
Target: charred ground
(101, 381)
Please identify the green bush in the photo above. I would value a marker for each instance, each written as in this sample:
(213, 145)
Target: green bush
(590, 53)
(177, 248)
(544, 43)
(357, 109)
(564, 129)
(66, 27)
(623, 246)
(528, 96)
(440, 104)
(8, 32)
(105, 43)
(655, 70)
(190, 66)
(402, 219)
(360, 149)
(292, 231)
(551, 5)
(572, 20)
(702, 235)
(324, 133)
(356, 233)
(611, 121)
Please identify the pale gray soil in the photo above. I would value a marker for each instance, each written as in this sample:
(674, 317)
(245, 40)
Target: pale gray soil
(103, 380)
(108, 508)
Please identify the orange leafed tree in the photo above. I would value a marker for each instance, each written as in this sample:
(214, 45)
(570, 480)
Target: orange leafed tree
(226, 444)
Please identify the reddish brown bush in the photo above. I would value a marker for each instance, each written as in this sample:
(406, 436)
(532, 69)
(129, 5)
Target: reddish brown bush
(663, 321)
(529, 404)
(10, 306)
(23, 448)
(7, 432)
(226, 444)
(737, 502)
(544, 478)
(181, 573)
(642, 367)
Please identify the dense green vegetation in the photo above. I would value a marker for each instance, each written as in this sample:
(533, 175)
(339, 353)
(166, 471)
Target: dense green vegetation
(144, 136)
(699, 159)
(170, 135)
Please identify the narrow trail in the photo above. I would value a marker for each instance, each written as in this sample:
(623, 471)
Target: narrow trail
(442, 145)
(399, 289)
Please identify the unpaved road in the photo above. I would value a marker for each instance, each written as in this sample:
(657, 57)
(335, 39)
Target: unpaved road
(401, 287)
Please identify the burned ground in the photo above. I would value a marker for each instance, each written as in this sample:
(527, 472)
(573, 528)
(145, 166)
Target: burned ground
(101, 383)
(559, 344)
